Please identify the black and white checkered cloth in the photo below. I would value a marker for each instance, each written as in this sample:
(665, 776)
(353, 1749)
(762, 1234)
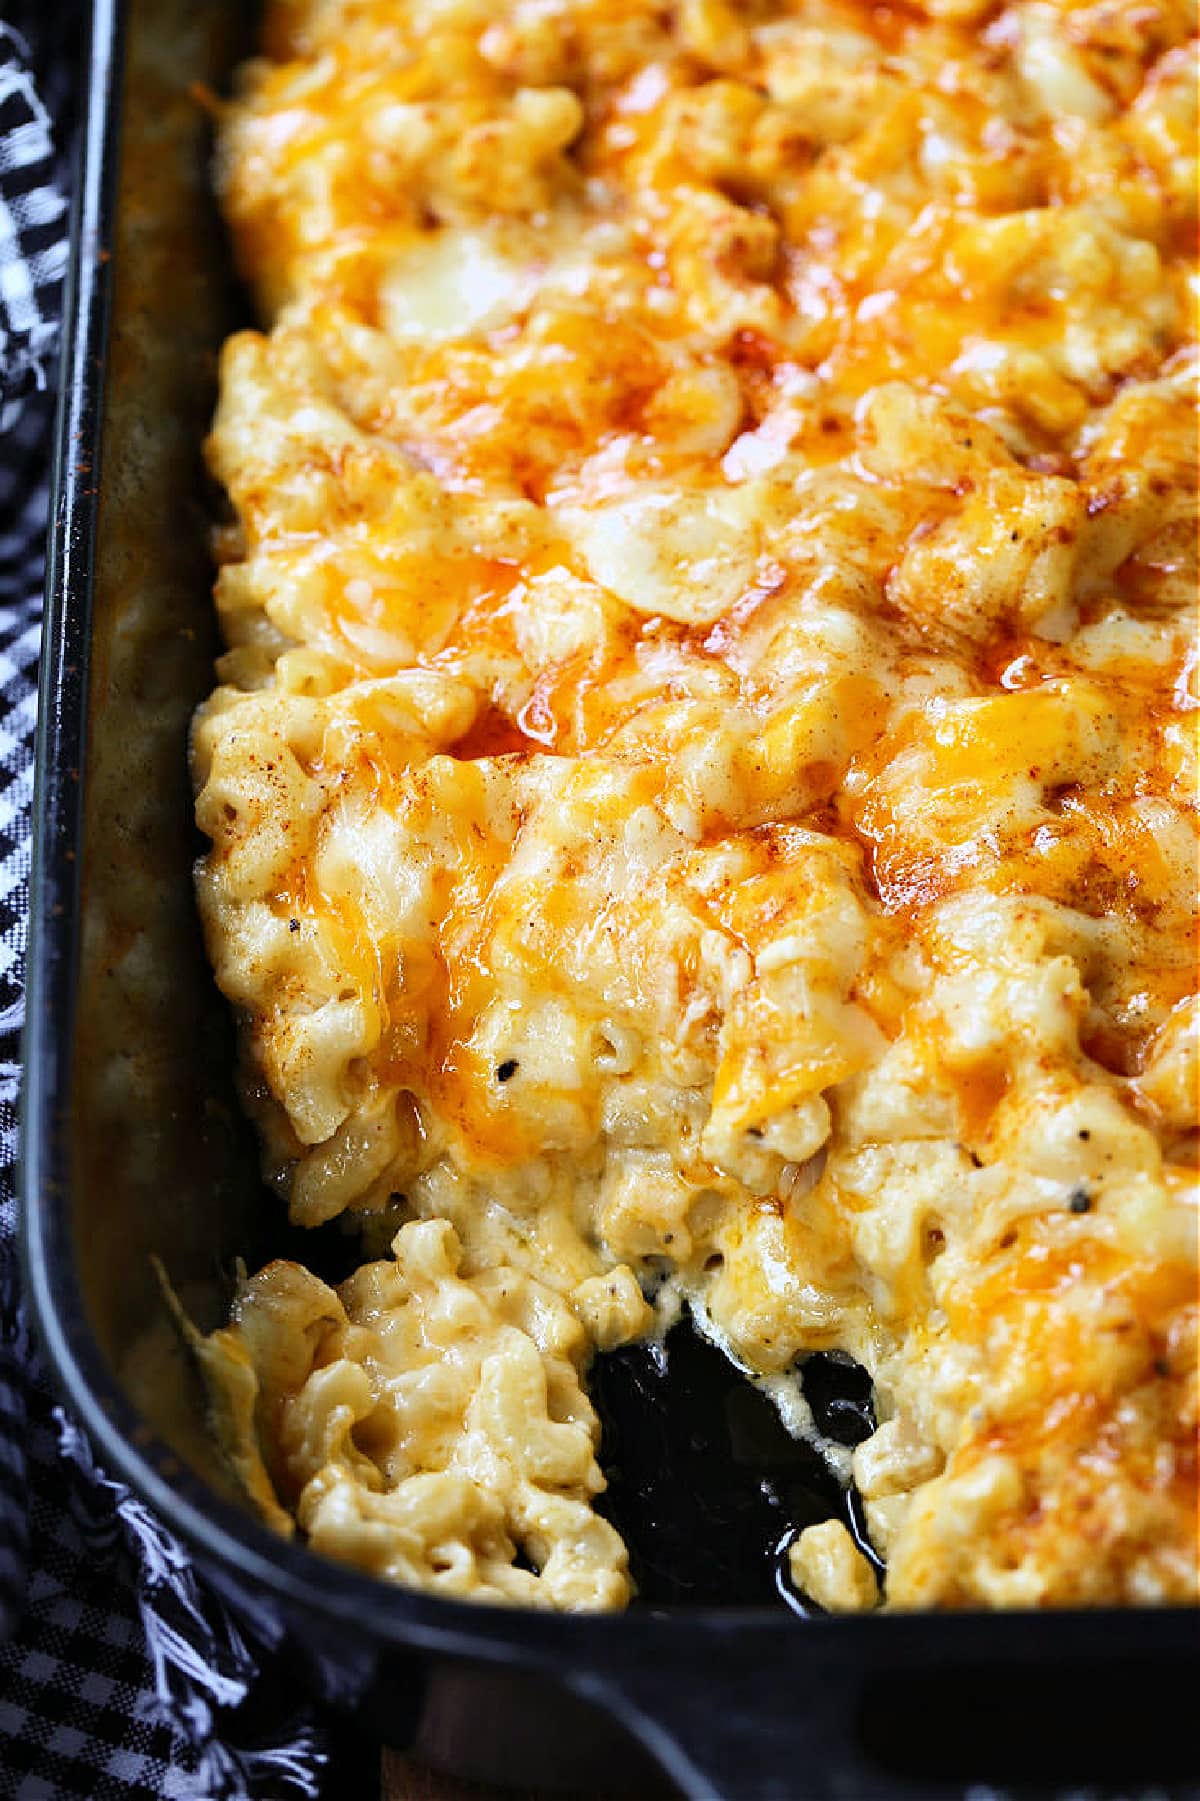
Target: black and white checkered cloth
(121, 1678)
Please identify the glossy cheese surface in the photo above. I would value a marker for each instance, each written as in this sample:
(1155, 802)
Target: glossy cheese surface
(702, 787)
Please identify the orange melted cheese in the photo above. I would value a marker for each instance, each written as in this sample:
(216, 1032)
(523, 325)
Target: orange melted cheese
(703, 779)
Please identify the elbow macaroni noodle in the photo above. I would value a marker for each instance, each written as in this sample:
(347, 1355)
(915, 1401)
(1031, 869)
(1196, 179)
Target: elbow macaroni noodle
(702, 782)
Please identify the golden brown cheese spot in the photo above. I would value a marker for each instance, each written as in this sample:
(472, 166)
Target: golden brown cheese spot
(704, 776)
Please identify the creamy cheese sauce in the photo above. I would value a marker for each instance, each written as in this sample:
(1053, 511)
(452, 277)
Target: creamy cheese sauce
(702, 783)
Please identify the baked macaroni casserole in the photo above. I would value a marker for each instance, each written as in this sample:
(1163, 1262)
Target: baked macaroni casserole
(701, 789)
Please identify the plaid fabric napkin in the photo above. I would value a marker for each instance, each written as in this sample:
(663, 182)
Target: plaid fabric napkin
(120, 1676)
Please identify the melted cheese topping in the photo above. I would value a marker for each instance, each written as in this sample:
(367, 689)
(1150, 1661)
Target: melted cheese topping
(702, 781)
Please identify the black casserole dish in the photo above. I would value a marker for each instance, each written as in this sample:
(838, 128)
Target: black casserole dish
(134, 1147)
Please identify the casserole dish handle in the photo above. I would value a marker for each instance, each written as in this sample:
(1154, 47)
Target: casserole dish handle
(728, 1727)
(898, 1707)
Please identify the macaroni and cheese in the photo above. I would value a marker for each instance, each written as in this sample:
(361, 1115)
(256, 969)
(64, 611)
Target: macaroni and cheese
(702, 792)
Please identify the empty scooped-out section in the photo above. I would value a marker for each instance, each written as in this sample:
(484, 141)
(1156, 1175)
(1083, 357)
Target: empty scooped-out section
(706, 1485)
